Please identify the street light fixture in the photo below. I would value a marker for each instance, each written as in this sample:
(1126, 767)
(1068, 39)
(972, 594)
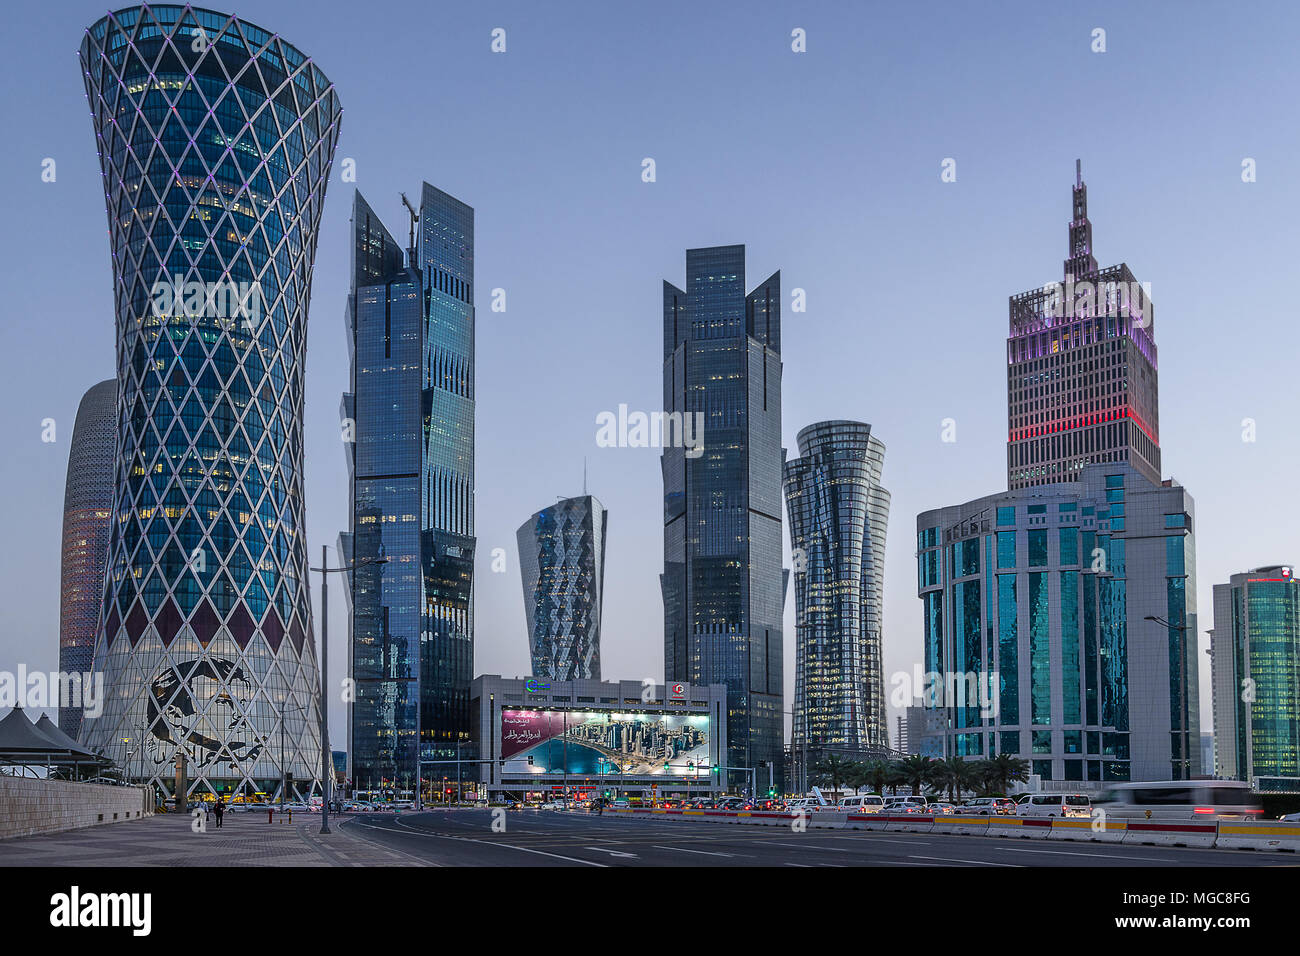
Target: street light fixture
(327, 765)
(1184, 757)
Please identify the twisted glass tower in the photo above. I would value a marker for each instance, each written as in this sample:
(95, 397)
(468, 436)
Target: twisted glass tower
(87, 505)
(562, 567)
(216, 139)
(838, 518)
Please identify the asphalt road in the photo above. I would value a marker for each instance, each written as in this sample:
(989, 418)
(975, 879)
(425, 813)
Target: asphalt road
(558, 838)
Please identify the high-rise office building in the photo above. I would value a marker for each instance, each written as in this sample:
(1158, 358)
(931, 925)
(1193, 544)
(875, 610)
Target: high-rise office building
(1060, 627)
(838, 517)
(87, 508)
(1081, 369)
(1060, 616)
(216, 139)
(723, 586)
(1255, 655)
(562, 568)
(410, 321)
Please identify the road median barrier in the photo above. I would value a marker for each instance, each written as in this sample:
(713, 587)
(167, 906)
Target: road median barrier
(1258, 835)
(1172, 833)
(910, 822)
(967, 824)
(1086, 828)
(1025, 828)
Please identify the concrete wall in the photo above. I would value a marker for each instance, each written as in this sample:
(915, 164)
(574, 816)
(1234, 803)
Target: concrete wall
(29, 805)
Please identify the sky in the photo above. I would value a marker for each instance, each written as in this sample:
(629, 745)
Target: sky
(825, 164)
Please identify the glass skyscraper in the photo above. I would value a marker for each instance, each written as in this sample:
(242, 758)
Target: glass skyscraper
(1036, 631)
(216, 139)
(1049, 598)
(838, 518)
(1255, 650)
(410, 321)
(723, 586)
(562, 569)
(87, 509)
(1081, 369)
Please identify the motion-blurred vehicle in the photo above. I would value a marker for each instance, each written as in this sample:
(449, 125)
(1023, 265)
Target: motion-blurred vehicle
(1182, 800)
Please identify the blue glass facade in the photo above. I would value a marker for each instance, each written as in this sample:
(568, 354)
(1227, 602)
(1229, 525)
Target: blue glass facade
(1060, 657)
(723, 586)
(216, 139)
(411, 407)
(1255, 647)
(839, 514)
(562, 567)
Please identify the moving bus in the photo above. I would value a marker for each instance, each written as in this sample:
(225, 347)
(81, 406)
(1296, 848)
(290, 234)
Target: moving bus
(1181, 800)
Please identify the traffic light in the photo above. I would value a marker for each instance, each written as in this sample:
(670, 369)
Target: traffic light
(715, 768)
(665, 766)
(530, 760)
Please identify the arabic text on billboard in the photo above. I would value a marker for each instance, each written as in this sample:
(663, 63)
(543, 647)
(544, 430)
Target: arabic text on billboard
(595, 743)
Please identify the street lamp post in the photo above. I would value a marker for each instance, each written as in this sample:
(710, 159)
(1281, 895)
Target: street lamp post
(1184, 757)
(327, 768)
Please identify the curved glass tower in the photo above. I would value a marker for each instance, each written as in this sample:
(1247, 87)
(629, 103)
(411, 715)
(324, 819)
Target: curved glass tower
(87, 504)
(838, 517)
(216, 139)
(562, 568)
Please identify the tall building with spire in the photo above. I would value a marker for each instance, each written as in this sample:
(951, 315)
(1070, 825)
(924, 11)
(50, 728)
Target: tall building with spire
(1081, 368)
(216, 139)
(1061, 613)
(410, 324)
(723, 586)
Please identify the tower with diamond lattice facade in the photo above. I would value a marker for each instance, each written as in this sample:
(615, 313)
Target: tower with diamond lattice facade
(216, 139)
(562, 567)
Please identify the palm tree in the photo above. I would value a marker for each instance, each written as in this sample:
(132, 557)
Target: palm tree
(1002, 769)
(832, 768)
(894, 775)
(856, 775)
(877, 775)
(916, 769)
(956, 774)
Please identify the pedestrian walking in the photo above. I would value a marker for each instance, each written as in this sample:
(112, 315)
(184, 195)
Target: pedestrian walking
(219, 810)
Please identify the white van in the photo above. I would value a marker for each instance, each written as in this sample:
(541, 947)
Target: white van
(1181, 800)
(1054, 805)
(862, 803)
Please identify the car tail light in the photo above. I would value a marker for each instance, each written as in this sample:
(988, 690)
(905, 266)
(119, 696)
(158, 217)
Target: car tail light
(1204, 810)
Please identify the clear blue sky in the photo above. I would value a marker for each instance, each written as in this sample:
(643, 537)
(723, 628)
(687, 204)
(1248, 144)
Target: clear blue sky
(825, 164)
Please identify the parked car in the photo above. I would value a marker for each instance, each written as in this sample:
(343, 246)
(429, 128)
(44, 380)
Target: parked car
(1054, 805)
(902, 807)
(862, 803)
(1181, 799)
(989, 806)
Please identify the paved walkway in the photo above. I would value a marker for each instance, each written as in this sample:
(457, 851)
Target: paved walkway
(245, 839)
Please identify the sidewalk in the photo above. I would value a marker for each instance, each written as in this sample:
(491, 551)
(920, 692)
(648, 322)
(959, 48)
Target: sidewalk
(245, 839)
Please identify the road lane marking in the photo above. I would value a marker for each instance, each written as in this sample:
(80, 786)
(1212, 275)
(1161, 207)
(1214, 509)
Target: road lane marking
(682, 849)
(1108, 856)
(509, 846)
(948, 859)
(601, 849)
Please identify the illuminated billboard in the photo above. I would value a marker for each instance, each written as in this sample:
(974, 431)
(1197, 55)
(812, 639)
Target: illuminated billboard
(596, 743)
